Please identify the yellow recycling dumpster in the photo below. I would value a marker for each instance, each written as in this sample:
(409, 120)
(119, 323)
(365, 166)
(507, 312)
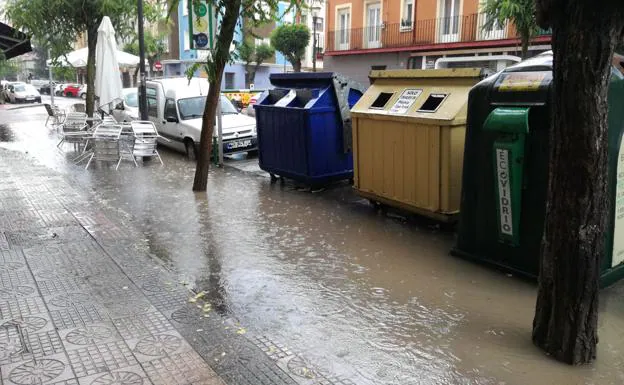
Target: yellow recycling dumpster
(408, 139)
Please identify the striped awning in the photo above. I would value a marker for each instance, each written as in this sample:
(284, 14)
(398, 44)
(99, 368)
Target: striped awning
(13, 42)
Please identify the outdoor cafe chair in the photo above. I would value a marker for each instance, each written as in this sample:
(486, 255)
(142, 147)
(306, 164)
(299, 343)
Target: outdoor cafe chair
(145, 136)
(56, 114)
(74, 129)
(106, 143)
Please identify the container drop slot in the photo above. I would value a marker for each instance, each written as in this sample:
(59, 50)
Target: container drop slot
(432, 103)
(275, 95)
(302, 97)
(382, 100)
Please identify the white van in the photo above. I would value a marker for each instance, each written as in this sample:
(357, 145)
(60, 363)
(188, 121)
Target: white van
(176, 107)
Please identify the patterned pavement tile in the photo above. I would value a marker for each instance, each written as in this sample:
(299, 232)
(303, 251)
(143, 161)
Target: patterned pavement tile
(101, 358)
(78, 315)
(23, 307)
(57, 217)
(133, 375)
(48, 370)
(41, 344)
(182, 369)
(97, 333)
(150, 347)
(34, 323)
(128, 307)
(11, 256)
(59, 285)
(12, 276)
(4, 243)
(142, 325)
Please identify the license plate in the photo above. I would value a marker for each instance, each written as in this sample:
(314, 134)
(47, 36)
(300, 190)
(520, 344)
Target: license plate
(30, 98)
(238, 144)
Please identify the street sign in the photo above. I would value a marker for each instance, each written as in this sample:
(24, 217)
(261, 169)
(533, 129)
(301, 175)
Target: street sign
(158, 66)
(202, 25)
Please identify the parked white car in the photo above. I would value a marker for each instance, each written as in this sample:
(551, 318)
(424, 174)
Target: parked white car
(128, 109)
(176, 107)
(6, 90)
(23, 93)
(58, 90)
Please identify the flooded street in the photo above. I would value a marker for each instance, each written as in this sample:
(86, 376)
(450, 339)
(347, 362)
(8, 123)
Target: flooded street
(350, 292)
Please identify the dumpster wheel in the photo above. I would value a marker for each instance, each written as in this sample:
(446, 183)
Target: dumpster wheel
(378, 206)
(274, 178)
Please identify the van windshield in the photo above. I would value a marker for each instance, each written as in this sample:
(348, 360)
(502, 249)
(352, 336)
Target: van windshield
(193, 108)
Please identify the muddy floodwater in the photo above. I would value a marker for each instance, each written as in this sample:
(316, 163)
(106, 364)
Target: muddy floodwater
(370, 297)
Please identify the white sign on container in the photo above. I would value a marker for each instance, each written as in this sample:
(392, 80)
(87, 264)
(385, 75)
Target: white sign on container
(618, 225)
(504, 192)
(405, 101)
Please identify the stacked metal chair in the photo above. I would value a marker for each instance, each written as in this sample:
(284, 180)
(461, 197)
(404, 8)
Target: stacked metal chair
(105, 141)
(55, 114)
(74, 129)
(145, 136)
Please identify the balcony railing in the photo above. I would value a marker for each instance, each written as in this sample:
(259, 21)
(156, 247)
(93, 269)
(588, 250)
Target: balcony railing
(457, 29)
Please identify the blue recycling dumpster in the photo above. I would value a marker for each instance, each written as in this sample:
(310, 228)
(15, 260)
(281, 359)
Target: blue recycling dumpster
(304, 127)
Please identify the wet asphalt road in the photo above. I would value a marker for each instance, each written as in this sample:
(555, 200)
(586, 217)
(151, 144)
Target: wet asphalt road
(372, 298)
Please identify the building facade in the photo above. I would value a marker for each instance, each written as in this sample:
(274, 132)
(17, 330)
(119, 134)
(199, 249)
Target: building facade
(234, 74)
(314, 13)
(424, 34)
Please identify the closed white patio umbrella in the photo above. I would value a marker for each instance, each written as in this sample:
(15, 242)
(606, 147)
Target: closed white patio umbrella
(107, 76)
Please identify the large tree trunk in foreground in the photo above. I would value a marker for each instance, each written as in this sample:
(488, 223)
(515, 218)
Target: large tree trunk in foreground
(566, 315)
(216, 67)
(205, 144)
(91, 44)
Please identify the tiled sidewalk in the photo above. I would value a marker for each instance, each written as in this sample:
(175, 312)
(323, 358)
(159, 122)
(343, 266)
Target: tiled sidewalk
(69, 313)
(83, 300)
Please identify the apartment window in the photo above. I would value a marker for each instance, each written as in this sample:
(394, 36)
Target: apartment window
(372, 32)
(165, 44)
(344, 23)
(407, 15)
(229, 80)
(449, 23)
(304, 19)
(187, 41)
(320, 23)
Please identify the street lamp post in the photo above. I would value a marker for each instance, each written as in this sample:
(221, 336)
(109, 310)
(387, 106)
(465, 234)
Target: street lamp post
(314, 43)
(51, 89)
(142, 88)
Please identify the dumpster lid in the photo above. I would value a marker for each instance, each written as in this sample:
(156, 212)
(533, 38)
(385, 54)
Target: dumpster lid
(430, 74)
(302, 79)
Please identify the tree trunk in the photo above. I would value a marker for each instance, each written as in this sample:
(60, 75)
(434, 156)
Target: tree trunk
(91, 46)
(525, 46)
(248, 75)
(584, 36)
(218, 62)
(296, 65)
